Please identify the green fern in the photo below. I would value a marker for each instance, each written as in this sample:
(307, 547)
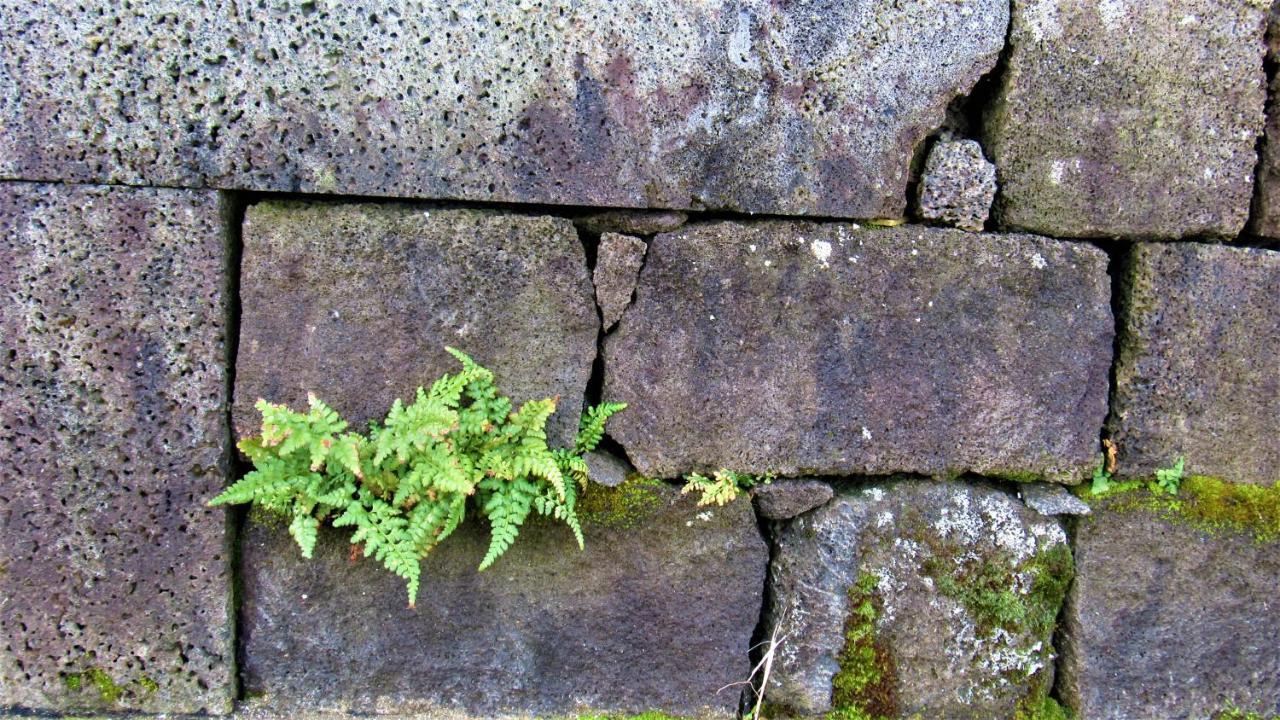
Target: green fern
(404, 487)
(1168, 479)
(723, 487)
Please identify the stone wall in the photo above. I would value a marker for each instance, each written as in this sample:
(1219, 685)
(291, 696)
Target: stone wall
(1004, 243)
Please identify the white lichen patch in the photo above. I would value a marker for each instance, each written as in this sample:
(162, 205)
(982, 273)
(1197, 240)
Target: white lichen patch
(821, 250)
(1038, 261)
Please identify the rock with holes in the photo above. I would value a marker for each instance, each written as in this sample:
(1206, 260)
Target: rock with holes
(632, 222)
(958, 184)
(1173, 610)
(785, 499)
(916, 598)
(115, 587)
(833, 349)
(1130, 119)
(759, 106)
(356, 303)
(1198, 372)
(618, 262)
(657, 612)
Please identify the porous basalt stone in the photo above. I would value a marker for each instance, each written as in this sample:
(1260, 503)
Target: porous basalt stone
(959, 584)
(1265, 217)
(115, 590)
(1102, 127)
(958, 184)
(632, 222)
(356, 304)
(655, 614)
(1166, 620)
(1049, 499)
(1198, 370)
(607, 469)
(833, 349)
(759, 106)
(618, 263)
(785, 499)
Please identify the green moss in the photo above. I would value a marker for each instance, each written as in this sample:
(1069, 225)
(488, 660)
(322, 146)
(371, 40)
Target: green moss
(622, 507)
(1045, 709)
(107, 688)
(1208, 504)
(1232, 712)
(148, 685)
(73, 682)
(650, 715)
(862, 689)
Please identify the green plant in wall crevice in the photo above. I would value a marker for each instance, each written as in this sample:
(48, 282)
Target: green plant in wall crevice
(407, 484)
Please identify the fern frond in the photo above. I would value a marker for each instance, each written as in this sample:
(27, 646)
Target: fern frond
(591, 426)
(304, 528)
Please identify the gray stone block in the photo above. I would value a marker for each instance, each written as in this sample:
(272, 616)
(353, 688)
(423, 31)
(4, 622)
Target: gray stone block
(656, 613)
(917, 599)
(1134, 119)
(958, 185)
(1165, 620)
(618, 263)
(834, 349)
(759, 106)
(785, 499)
(356, 303)
(1198, 372)
(115, 588)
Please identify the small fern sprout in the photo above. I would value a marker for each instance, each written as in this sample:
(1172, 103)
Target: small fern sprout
(405, 486)
(723, 487)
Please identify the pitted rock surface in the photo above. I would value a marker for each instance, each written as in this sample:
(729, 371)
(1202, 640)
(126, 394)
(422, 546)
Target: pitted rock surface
(1135, 119)
(834, 349)
(927, 550)
(1051, 500)
(958, 184)
(618, 263)
(785, 499)
(758, 106)
(632, 222)
(657, 612)
(356, 304)
(1198, 372)
(1165, 620)
(115, 587)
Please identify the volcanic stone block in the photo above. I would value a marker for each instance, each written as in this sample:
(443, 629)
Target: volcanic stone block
(760, 106)
(785, 499)
(1167, 620)
(830, 349)
(356, 303)
(632, 222)
(916, 599)
(115, 591)
(656, 613)
(1265, 218)
(1132, 119)
(1198, 373)
(618, 263)
(958, 184)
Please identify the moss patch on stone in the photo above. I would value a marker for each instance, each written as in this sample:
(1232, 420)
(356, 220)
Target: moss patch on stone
(622, 507)
(1208, 504)
(863, 687)
(650, 715)
(107, 689)
(1044, 709)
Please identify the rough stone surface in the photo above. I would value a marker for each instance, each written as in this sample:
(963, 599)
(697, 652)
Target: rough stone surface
(115, 590)
(632, 222)
(656, 613)
(618, 263)
(1167, 621)
(1265, 218)
(1049, 499)
(1134, 119)
(356, 303)
(607, 469)
(831, 349)
(1198, 372)
(958, 184)
(785, 499)
(757, 106)
(926, 544)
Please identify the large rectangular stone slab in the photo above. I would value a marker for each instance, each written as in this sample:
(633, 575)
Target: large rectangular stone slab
(1131, 119)
(1198, 372)
(803, 348)
(761, 106)
(115, 588)
(356, 304)
(1169, 617)
(657, 612)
